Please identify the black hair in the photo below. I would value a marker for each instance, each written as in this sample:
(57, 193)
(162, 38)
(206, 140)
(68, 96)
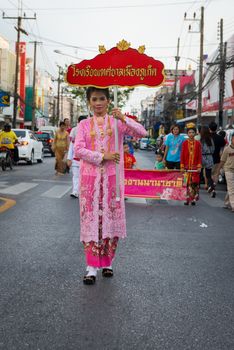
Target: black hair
(213, 126)
(206, 135)
(66, 119)
(92, 89)
(7, 127)
(81, 117)
(159, 153)
(62, 123)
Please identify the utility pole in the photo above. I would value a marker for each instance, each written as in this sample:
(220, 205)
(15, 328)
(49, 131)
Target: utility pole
(177, 58)
(58, 97)
(19, 29)
(201, 31)
(199, 109)
(222, 83)
(34, 84)
(221, 73)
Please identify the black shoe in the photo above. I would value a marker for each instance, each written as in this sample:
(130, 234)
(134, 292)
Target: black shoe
(193, 203)
(213, 194)
(89, 280)
(186, 203)
(210, 189)
(107, 272)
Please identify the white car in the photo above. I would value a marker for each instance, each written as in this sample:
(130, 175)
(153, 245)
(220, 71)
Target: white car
(143, 143)
(30, 148)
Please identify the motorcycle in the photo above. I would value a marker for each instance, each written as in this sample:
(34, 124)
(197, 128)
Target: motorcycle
(5, 158)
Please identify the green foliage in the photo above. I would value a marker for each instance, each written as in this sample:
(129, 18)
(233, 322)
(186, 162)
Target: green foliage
(123, 96)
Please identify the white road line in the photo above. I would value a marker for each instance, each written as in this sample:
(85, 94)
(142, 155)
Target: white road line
(56, 191)
(19, 188)
(55, 181)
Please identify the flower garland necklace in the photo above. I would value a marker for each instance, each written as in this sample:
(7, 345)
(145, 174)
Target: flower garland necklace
(97, 134)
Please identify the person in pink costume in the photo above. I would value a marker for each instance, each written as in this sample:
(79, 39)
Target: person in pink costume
(102, 217)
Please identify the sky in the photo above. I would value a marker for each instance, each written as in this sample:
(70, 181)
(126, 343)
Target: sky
(77, 28)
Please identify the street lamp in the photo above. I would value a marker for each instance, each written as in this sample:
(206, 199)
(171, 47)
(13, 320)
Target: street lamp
(65, 54)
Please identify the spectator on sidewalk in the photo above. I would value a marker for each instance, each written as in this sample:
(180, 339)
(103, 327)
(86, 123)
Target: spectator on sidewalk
(227, 162)
(219, 143)
(173, 148)
(208, 148)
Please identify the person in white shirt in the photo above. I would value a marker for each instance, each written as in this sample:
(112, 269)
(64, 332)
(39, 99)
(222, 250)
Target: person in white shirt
(73, 162)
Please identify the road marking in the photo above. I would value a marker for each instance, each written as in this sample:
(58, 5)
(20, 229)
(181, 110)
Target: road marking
(56, 191)
(55, 181)
(7, 205)
(19, 188)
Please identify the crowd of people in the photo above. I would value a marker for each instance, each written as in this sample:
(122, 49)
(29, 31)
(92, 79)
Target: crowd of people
(202, 155)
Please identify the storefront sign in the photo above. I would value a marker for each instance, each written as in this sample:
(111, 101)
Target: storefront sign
(120, 66)
(4, 99)
(156, 184)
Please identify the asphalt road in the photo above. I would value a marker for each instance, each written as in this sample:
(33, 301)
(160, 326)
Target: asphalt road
(173, 284)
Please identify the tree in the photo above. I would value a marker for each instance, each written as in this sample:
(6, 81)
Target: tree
(123, 96)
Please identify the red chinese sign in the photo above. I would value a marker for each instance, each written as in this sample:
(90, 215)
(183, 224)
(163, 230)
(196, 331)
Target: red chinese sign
(120, 66)
(22, 76)
(156, 184)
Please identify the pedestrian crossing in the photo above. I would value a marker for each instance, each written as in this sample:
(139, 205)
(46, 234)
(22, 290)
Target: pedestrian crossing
(19, 188)
(58, 189)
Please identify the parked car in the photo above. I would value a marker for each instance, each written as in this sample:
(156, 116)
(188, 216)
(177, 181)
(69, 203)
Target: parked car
(144, 143)
(49, 128)
(47, 140)
(30, 148)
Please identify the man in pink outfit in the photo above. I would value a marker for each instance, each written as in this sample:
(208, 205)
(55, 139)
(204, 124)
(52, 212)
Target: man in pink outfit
(102, 218)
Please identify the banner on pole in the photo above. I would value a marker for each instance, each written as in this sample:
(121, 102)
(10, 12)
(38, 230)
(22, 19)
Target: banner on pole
(155, 184)
(120, 66)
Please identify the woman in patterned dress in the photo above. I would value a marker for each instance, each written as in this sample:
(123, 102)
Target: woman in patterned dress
(102, 217)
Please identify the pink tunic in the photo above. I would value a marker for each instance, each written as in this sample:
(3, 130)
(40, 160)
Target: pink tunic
(88, 149)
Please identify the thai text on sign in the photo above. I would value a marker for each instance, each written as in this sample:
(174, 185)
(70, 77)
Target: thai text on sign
(163, 184)
(127, 71)
(120, 66)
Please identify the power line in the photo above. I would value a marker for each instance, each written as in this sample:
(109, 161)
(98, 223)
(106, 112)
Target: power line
(115, 7)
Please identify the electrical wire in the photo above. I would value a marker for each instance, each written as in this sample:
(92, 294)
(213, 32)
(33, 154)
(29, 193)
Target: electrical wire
(162, 4)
